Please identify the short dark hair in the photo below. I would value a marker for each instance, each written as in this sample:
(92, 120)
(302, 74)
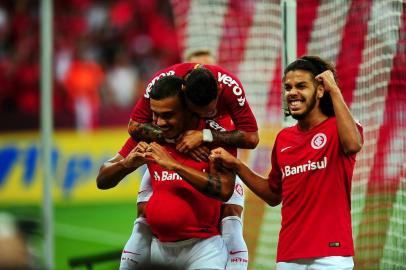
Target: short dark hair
(168, 86)
(315, 65)
(201, 87)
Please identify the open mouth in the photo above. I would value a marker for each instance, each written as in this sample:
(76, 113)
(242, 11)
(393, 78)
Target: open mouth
(294, 104)
(165, 128)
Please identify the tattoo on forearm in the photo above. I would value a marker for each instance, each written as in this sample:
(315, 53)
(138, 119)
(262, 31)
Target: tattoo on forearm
(147, 132)
(213, 187)
(229, 138)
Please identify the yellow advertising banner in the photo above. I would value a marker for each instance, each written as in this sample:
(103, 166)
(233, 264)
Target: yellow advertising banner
(76, 159)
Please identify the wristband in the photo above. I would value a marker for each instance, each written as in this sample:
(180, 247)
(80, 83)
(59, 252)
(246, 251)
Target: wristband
(207, 135)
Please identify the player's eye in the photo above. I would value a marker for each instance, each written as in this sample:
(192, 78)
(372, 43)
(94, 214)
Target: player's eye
(301, 86)
(166, 115)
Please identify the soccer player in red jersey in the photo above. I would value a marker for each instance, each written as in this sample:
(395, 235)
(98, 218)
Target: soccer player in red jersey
(223, 100)
(212, 93)
(312, 168)
(184, 209)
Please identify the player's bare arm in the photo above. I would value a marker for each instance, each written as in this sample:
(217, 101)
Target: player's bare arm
(218, 184)
(200, 153)
(115, 169)
(258, 184)
(236, 139)
(147, 132)
(348, 132)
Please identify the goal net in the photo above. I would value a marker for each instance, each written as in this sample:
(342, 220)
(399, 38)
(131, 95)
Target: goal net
(366, 39)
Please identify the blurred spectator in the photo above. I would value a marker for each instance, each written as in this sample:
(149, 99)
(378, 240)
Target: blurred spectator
(121, 13)
(83, 81)
(122, 83)
(142, 30)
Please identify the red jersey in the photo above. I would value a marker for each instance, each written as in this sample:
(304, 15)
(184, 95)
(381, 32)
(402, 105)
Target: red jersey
(314, 175)
(127, 147)
(231, 98)
(176, 210)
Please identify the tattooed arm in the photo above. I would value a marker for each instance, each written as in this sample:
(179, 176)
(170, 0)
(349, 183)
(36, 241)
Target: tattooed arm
(147, 132)
(236, 138)
(192, 139)
(115, 169)
(218, 183)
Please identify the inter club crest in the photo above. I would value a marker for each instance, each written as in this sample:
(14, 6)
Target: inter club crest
(319, 140)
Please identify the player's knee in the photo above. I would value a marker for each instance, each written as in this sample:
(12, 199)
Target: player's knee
(231, 210)
(141, 206)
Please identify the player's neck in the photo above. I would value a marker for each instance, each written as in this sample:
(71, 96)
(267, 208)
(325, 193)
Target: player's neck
(192, 122)
(311, 120)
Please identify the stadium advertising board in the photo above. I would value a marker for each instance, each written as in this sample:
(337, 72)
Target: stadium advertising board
(76, 159)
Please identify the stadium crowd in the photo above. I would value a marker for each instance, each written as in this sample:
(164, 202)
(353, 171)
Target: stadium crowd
(104, 51)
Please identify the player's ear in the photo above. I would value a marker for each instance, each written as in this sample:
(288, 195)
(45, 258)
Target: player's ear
(320, 91)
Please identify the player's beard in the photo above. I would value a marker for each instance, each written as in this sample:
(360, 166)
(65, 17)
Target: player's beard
(310, 107)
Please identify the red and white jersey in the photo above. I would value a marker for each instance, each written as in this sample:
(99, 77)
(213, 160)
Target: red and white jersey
(314, 175)
(231, 99)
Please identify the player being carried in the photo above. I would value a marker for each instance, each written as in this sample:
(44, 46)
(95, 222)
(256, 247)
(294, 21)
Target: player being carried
(218, 96)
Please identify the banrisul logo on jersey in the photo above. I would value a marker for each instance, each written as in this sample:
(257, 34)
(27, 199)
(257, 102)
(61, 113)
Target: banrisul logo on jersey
(309, 166)
(319, 140)
(166, 176)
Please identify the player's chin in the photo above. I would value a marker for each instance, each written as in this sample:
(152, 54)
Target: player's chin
(297, 115)
(169, 134)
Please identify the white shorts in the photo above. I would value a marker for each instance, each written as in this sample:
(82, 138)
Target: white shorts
(191, 254)
(145, 191)
(322, 263)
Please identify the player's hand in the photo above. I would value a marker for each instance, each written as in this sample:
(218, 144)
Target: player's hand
(221, 157)
(327, 79)
(161, 156)
(189, 140)
(137, 156)
(200, 153)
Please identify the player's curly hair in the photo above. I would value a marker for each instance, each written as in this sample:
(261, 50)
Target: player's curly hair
(201, 87)
(315, 65)
(168, 86)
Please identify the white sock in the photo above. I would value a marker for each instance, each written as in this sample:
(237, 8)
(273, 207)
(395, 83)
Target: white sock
(138, 248)
(231, 231)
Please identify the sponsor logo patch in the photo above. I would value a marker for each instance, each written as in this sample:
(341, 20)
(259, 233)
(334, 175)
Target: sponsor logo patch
(309, 166)
(230, 82)
(232, 252)
(239, 189)
(334, 244)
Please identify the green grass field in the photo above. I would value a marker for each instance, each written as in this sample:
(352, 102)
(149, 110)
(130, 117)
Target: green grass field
(84, 229)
